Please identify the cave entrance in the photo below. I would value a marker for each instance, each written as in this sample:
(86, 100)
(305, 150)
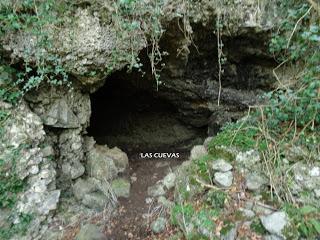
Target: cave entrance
(128, 113)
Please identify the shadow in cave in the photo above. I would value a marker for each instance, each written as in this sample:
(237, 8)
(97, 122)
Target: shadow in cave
(128, 113)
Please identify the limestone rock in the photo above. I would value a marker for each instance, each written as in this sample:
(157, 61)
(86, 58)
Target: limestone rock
(61, 108)
(158, 225)
(255, 181)
(100, 165)
(223, 179)
(275, 222)
(248, 158)
(121, 187)
(169, 180)
(83, 187)
(71, 146)
(50, 202)
(90, 232)
(221, 165)
(198, 152)
(156, 190)
(95, 200)
(119, 158)
(61, 116)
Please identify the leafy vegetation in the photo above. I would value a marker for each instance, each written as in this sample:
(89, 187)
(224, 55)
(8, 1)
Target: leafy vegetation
(290, 118)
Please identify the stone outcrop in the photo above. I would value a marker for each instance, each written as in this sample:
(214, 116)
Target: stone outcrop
(33, 165)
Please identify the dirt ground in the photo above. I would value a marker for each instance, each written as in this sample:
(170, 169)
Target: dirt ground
(134, 213)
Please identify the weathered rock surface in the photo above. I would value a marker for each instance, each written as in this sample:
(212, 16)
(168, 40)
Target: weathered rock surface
(90, 232)
(275, 222)
(40, 195)
(221, 165)
(158, 225)
(223, 179)
(156, 190)
(121, 187)
(255, 181)
(198, 152)
(100, 165)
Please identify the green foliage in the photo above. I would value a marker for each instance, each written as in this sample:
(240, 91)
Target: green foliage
(216, 198)
(34, 19)
(181, 211)
(239, 135)
(10, 183)
(257, 227)
(297, 42)
(305, 222)
(138, 24)
(16, 229)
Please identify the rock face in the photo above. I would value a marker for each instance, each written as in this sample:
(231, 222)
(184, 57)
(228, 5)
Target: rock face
(40, 195)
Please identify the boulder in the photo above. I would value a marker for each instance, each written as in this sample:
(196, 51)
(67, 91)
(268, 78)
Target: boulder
(119, 157)
(100, 165)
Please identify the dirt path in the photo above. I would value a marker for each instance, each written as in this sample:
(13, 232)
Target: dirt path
(130, 221)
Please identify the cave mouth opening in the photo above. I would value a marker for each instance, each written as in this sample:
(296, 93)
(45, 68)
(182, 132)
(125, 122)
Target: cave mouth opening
(128, 113)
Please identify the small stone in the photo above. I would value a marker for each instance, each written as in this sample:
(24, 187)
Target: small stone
(223, 179)
(197, 152)
(148, 200)
(255, 181)
(90, 232)
(156, 190)
(315, 172)
(121, 187)
(221, 165)
(158, 225)
(169, 180)
(275, 222)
